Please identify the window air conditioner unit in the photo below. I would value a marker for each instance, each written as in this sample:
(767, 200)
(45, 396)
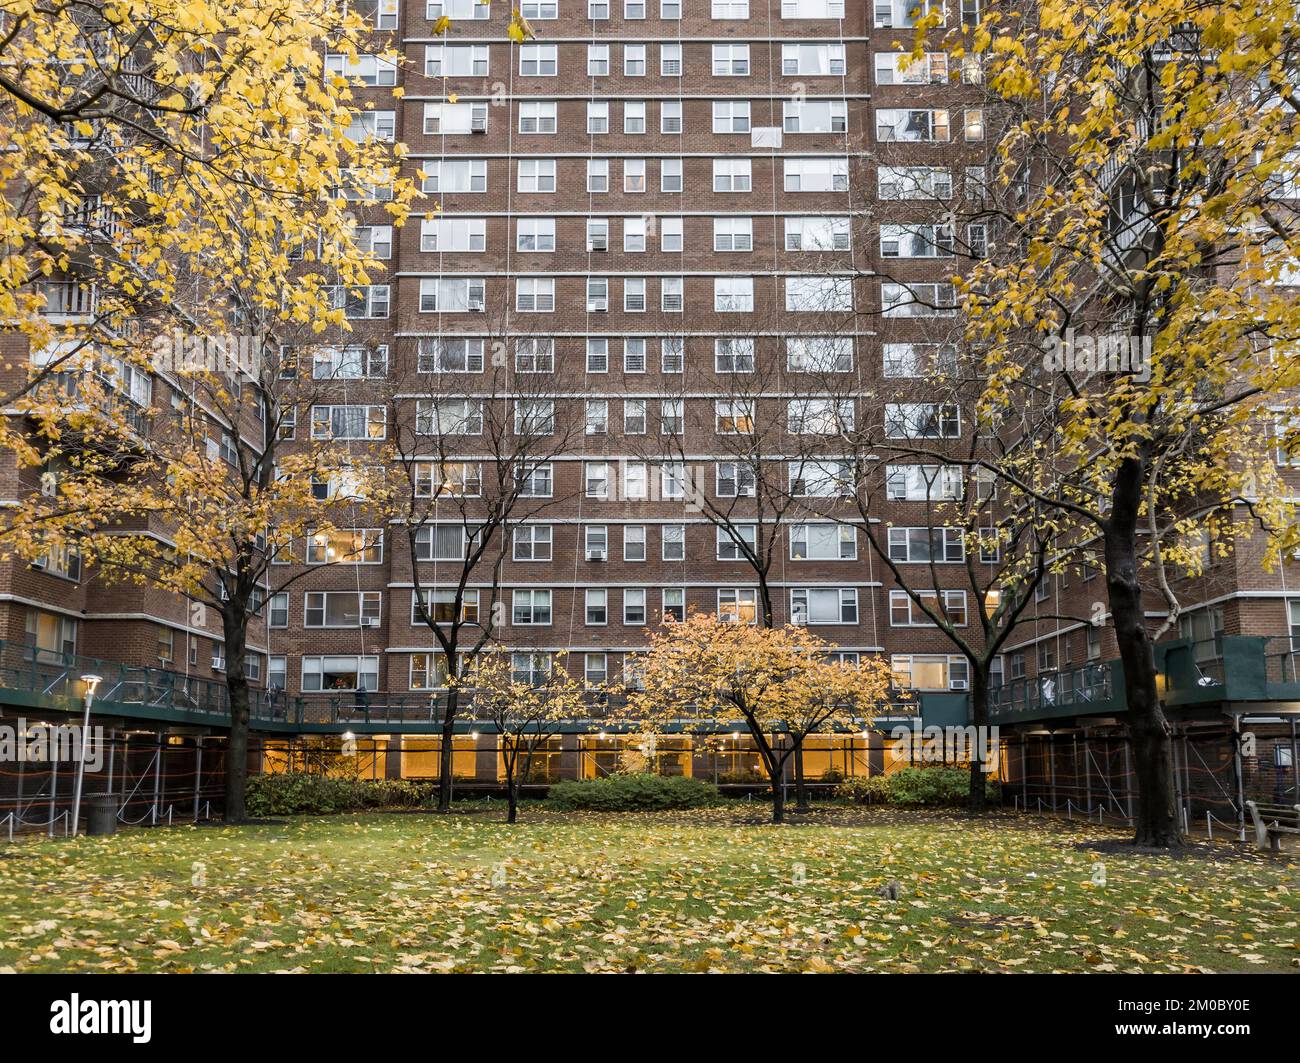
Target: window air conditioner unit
(371, 621)
(600, 306)
(478, 125)
(596, 555)
(599, 243)
(477, 307)
(957, 684)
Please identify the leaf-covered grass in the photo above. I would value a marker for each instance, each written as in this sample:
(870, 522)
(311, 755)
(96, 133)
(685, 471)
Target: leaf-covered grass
(709, 889)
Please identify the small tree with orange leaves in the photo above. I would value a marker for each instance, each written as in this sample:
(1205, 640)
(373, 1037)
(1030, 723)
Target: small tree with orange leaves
(527, 709)
(782, 683)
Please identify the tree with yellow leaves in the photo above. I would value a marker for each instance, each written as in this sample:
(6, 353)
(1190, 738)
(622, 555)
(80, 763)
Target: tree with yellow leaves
(783, 684)
(526, 700)
(182, 258)
(1133, 312)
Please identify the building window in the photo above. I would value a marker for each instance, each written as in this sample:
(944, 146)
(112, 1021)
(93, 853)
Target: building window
(531, 608)
(532, 542)
(340, 673)
(824, 605)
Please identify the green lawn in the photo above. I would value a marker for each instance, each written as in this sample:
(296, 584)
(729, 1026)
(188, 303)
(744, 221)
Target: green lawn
(695, 891)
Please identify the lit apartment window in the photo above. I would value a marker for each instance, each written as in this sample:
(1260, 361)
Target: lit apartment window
(339, 673)
(733, 416)
(738, 605)
(345, 546)
(930, 671)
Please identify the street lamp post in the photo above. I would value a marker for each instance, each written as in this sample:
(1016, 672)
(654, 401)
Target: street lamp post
(91, 681)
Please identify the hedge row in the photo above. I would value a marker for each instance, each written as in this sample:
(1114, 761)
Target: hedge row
(295, 793)
(913, 786)
(631, 793)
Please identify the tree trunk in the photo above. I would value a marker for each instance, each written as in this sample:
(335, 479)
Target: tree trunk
(448, 750)
(512, 799)
(979, 713)
(1156, 824)
(778, 796)
(800, 790)
(237, 746)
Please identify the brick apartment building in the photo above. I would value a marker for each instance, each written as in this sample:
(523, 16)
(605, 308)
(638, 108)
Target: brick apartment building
(646, 203)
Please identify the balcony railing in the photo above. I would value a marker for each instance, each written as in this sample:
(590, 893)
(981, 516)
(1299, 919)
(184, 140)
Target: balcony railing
(1090, 689)
(53, 678)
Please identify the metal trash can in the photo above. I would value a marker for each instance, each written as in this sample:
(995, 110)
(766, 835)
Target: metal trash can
(102, 814)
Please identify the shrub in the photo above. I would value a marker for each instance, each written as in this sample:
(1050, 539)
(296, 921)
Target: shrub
(914, 786)
(297, 793)
(631, 793)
